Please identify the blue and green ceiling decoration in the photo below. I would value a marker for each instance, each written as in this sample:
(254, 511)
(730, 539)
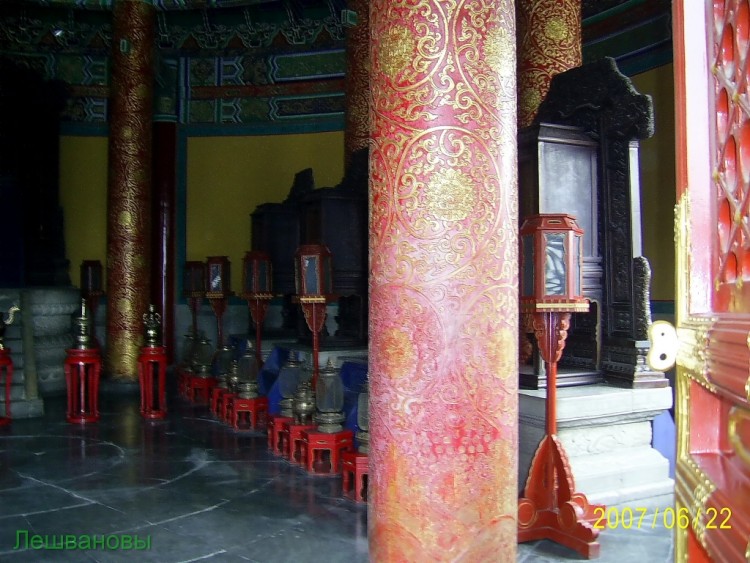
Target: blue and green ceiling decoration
(240, 62)
(263, 63)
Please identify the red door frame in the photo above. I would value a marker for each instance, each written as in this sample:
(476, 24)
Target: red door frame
(712, 489)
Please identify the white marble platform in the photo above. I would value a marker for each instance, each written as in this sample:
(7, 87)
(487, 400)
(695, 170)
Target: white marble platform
(606, 433)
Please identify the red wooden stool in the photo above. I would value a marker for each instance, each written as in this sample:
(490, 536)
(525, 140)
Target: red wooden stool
(276, 424)
(294, 447)
(227, 408)
(152, 371)
(6, 368)
(83, 367)
(355, 470)
(199, 388)
(183, 373)
(316, 444)
(217, 401)
(254, 411)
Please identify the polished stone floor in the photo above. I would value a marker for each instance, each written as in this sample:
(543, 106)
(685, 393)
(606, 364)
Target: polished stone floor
(199, 492)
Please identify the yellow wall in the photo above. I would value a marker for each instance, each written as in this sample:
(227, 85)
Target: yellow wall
(227, 177)
(83, 196)
(658, 181)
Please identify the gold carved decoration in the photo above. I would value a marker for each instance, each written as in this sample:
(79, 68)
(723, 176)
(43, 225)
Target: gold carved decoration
(739, 417)
(450, 195)
(693, 337)
(556, 29)
(500, 352)
(128, 247)
(399, 352)
(549, 42)
(499, 51)
(444, 269)
(396, 51)
(357, 131)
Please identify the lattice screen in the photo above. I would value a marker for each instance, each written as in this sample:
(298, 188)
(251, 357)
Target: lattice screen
(730, 35)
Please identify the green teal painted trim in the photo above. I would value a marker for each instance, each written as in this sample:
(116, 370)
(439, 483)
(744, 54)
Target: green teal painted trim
(639, 38)
(326, 125)
(612, 12)
(630, 66)
(662, 307)
(165, 5)
(76, 129)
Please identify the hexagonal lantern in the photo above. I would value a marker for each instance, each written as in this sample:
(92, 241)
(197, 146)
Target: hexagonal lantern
(551, 264)
(312, 270)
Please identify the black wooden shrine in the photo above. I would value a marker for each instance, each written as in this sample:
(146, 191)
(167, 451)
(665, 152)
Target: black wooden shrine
(594, 112)
(334, 216)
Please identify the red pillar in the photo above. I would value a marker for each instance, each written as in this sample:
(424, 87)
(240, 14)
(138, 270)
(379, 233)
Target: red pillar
(357, 130)
(444, 282)
(129, 193)
(549, 42)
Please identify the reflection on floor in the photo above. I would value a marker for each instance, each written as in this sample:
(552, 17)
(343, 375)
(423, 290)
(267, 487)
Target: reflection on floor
(198, 491)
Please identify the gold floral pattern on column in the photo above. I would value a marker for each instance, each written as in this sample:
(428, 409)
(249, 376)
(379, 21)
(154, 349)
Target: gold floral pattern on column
(443, 283)
(549, 42)
(129, 203)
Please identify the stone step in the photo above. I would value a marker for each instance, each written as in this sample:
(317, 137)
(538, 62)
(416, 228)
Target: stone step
(626, 475)
(17, 391)
(606, 434)
(26, 408)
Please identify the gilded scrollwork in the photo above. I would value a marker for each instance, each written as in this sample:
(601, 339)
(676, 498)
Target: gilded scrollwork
(443, 283)
(549, 42)
(129, 189)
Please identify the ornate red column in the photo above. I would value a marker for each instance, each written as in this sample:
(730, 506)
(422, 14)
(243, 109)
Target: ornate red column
(444, 282)
(549, 42)
(129, 195)
(357, 127)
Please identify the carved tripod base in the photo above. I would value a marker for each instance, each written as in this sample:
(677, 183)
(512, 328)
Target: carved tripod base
(550, 509)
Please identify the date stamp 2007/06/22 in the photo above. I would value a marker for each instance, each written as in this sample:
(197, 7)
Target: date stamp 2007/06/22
(638, 517)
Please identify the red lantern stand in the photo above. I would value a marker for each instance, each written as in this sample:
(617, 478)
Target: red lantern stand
(152, 370)
(256, 281)
(6, 370)
(217, 291)
(194, 290)
(258, 303)
(313, 279)
(550, 508)
(83, 367)
(91, 290)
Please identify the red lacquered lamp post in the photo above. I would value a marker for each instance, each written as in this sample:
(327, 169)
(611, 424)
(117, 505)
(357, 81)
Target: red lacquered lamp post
(91, 290)
(256, 286)
(550, 291)
(83, 367)
(313, 282)
(152, 368)
(218, 291)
